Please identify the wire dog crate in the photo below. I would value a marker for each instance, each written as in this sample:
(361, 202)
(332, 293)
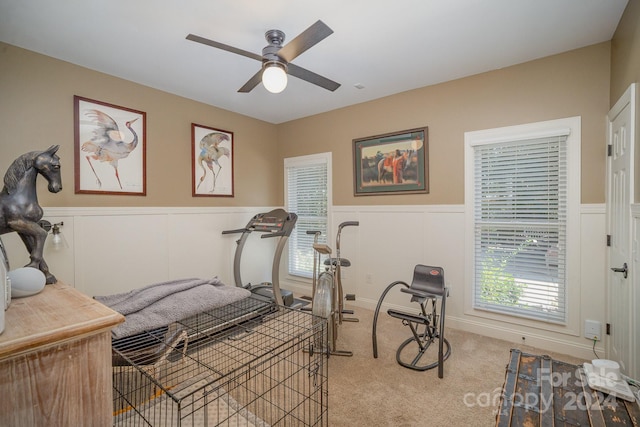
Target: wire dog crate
(246, 364)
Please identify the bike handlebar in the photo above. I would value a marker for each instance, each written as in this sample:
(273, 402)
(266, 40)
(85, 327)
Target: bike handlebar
(349, 223)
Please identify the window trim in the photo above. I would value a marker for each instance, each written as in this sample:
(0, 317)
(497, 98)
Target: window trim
(310, 159)
(572, 125)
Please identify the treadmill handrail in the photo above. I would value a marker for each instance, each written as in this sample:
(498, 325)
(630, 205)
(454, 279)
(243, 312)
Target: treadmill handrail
(238, 230)
(252, 229)
(276, 234)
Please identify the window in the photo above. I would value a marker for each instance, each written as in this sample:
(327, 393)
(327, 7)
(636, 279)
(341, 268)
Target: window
(308, 194)
(522, 189)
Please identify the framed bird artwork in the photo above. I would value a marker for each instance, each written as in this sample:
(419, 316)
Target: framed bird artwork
(110, 148)
(212, 161)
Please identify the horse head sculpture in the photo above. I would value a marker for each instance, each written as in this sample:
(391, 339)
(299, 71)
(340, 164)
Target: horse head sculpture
(19, 208)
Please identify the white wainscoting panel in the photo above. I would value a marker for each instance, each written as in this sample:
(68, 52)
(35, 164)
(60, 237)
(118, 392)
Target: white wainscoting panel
(391, 240)
(113, 250)
(117, 253)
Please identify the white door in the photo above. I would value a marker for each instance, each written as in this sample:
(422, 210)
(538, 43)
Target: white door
(619, 198)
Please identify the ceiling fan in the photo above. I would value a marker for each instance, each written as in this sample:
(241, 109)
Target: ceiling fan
(276, 58)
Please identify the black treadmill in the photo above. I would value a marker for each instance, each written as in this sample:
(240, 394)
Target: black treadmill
(276, 223)
(265, 297)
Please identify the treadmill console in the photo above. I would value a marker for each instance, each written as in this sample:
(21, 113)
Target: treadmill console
(277, 221)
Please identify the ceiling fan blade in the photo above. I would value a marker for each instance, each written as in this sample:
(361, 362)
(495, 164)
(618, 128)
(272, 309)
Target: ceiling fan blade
(253, 82)
(312, 77)
(308, 38)
(223, 46)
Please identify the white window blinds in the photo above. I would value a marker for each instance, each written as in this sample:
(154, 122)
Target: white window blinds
(307, 194)
(520, 225)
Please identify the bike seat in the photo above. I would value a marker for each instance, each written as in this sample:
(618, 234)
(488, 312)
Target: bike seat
(334, 261)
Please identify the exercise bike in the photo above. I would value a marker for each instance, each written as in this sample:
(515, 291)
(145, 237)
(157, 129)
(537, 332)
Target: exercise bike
(328, 297)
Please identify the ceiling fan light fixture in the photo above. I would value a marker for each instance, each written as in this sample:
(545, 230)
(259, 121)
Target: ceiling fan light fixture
(274, 77)
(277, 58)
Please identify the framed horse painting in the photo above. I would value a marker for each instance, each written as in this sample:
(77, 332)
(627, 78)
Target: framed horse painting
(393, 163)
(212, 161)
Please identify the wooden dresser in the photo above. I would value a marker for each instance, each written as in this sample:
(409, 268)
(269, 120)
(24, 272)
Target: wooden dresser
(55, 360)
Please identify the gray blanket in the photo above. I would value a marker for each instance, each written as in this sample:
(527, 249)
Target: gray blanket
(162, 303)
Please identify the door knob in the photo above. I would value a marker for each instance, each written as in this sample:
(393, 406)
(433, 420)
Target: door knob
(623, 270)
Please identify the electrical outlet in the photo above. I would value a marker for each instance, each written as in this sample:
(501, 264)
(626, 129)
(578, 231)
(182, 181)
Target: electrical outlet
(592, 330)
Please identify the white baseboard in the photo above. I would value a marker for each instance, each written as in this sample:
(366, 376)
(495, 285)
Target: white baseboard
(537, 340)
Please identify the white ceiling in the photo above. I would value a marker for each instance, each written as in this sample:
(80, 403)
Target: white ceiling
(386, 46)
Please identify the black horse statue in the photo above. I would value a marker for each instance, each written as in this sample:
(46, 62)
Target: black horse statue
(19, 208)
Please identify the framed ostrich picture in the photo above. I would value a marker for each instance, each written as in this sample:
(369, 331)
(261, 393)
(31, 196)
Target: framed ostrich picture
(212, 161)
(393, 163)
(110, 148)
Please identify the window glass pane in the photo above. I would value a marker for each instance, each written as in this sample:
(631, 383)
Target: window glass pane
(520, 203)
(307, 196)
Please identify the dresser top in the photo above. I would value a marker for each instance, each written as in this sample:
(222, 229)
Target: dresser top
(58, 313)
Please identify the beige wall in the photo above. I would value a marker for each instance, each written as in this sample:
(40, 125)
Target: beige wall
(36, 111)
(575, 83)
(625, 67)
(625, 51)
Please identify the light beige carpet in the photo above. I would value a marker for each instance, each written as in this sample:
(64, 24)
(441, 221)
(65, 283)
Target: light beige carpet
(364, 391)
